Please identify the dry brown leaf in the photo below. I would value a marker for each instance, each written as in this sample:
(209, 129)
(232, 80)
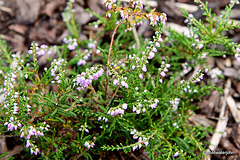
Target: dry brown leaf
(28, 11)
(18, 28)
(233, 108)
(52, 6)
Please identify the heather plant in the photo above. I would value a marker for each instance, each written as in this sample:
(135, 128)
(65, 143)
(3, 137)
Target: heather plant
(128, 94)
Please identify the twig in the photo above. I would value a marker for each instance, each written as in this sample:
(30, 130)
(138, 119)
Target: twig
(5, 9)
(135, 35)
(109, 53)
(222, 122)
(151, 3)
(113, 96)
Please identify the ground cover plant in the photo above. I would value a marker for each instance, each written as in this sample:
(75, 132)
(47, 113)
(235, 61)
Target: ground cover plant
(127, 94)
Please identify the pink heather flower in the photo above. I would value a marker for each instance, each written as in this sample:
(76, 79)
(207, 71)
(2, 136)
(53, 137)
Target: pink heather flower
(238, 50)
(151, 55)
(134, 148)
(98, 51)
(146, 143)
(144, 110)
(87, 145)
(133, 67)
(138, 111)
(115, 81)
(163, 74)
(124, 84)
(137, 59)
(200, 46)
(28, 144)
(144, 69)
(140, 76)
(124, 106)
(81, 62)
(30, 52)
(156, 100)
(157, 44)
(154, 49)
(72, 46)
(176, 154)
(134, 108)
(154, 105)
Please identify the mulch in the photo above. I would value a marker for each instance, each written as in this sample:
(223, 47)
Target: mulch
(25, 21)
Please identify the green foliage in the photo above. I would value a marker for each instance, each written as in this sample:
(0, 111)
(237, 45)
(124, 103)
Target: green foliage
(135, 98)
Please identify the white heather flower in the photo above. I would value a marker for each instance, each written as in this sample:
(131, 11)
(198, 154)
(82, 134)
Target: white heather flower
(133, 67)
(115, 81)
(151, 55)
(140, 76)
(176, 154)
(144, 69)
(124, 106)
(157, 44)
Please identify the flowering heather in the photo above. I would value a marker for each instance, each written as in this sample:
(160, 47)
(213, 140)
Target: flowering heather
(122, 95)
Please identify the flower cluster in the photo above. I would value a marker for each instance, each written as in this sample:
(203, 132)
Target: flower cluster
(138, 63)
(175, 103)
(10, 98)
(197, 77)
(33, 147)
(89, 144)
(67, 14)
(27, 132)
(137, 4)
(142, 139)
(134, 10)
(57, 69)
(197, 44)
(84, 128)
(71, 43)
(189, 19)
(233, 1)
(118, 78)
(164, 68)
(12, 124)
(155, 17)
(237, 55)
(188, 89)
(118, 110)
(109, 3)
(151, 49)
(140, 107)
(102, 118)
(43, 49)
(85, 78)
(84, 56)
